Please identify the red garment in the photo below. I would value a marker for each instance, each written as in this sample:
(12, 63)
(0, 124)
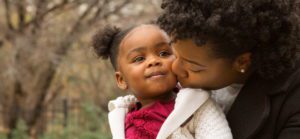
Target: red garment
(145, 123)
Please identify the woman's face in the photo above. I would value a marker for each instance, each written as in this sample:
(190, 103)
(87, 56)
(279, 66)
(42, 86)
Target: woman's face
(197, 67)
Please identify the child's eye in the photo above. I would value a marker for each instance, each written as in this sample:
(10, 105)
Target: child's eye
(164, 53)
(138, 59)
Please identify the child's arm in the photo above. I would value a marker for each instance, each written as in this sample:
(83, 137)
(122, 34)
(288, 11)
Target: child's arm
(210, 122)
(116, 116)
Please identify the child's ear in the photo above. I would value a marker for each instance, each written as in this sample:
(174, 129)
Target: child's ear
(120, 80)
(242, 62)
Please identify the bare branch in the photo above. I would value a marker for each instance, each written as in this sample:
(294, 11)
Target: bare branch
(21, 14)
(99, 10)
(116, 10)
(80, 19)
(76, 27)
(47, 72)
(40, 7)
(52, 95)
(7, 15)
(95, 80)
(70, 36)
(39, 17)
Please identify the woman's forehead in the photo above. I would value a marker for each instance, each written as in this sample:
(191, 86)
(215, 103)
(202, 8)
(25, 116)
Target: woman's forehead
(189, 49)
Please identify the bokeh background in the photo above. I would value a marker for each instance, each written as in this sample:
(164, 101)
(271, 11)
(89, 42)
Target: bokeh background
(52, 86)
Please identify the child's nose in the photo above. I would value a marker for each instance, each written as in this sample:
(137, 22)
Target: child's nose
(154, 61)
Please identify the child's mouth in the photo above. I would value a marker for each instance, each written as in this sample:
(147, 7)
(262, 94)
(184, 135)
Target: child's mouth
(157, 74)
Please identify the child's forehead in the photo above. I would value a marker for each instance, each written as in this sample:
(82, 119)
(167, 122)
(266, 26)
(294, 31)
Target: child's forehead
(144, 35)
(143, 29)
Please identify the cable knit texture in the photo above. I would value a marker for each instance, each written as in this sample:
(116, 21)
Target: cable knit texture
(208, 122)
(122, 102)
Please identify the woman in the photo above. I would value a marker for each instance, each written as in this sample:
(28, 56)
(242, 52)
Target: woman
(253, 43)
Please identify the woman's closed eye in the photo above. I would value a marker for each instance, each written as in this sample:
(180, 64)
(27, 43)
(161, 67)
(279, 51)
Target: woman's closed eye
(197, 68)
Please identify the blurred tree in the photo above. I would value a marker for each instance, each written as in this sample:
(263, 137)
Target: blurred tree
(38, 35)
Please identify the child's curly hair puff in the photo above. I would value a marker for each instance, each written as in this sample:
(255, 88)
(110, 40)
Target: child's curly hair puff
(106, 42)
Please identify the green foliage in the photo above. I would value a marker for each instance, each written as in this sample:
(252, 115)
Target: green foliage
(94, 125)
(91, 123)
(3, 136)
(21, 131)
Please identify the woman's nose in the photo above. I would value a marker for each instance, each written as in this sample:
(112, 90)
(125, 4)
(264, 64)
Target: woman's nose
(178, 68)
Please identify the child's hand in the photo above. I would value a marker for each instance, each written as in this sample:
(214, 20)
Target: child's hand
(122, 102)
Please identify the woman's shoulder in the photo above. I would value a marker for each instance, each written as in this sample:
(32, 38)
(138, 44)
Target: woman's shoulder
(292, 90)
(282, 83)
(209, 121)
(290, 80)
(210, 107)
(208, 112)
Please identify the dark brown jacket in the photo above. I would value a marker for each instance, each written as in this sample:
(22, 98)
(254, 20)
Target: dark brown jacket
(268, 109)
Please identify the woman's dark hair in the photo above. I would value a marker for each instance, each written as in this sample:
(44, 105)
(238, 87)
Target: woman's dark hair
(269, 29)
(106, 42)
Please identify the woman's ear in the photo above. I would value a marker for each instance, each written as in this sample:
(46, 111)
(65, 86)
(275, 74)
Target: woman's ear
(120, 80)
(242, 62)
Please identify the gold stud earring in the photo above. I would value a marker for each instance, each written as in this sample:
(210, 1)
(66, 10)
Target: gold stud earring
(242, 70)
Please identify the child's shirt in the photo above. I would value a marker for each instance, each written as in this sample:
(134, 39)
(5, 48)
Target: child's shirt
(145, 123)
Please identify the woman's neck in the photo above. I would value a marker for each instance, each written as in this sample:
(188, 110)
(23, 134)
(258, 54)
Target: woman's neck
(163, 98)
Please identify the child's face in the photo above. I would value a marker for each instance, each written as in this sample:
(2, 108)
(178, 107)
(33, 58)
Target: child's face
(197, 67)
(145, 61)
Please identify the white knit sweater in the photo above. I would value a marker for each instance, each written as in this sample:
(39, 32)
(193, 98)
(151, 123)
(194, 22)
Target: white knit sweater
(195, 115)
(208, 122)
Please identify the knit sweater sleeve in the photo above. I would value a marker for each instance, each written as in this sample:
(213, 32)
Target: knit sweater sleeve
(116, 116)
(210, 122)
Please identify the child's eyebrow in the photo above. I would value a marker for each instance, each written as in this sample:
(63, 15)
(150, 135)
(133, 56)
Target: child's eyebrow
(139, 49)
